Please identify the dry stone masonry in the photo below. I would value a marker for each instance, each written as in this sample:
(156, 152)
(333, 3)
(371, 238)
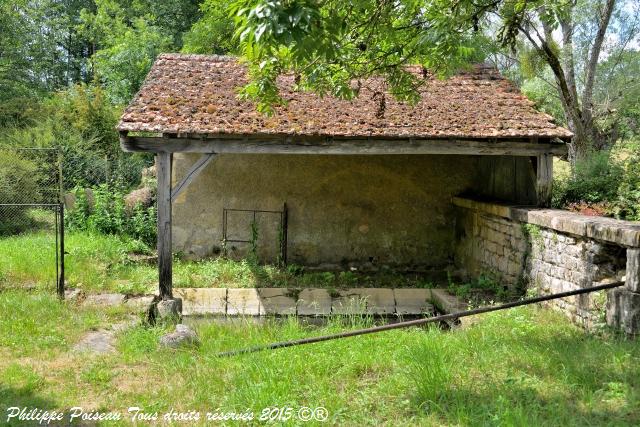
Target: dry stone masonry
(549, 251)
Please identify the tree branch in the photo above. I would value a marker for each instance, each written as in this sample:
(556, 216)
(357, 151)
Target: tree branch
(587, 94)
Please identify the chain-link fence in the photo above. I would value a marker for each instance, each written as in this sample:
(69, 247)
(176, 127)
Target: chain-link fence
(45, 191)
(30, 185)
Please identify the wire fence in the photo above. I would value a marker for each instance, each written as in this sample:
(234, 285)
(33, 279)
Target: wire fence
(30, 184)
(44, 191)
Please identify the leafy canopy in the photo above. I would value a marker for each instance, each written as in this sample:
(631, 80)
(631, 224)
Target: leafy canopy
(330, 43)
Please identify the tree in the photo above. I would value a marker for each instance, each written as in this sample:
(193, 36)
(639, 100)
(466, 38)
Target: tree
(123, 65)
(213, 33)
(126, 43)
(328, 44)
(40, 51)
(570, 37)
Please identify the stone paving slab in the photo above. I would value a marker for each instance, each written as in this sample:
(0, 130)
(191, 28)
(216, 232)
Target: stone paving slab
(106, 300)
(97, 342)
(413, 301)
(314, 302)
(279, 301)
(304, 302)
(202, 300)
(140, 303)
(348, 301)
(378, 300)
(447, 302)
(244, 302)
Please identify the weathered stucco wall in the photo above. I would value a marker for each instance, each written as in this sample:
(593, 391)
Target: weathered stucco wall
(343, 210)
(553, 251)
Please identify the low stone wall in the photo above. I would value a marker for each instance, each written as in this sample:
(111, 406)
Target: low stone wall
(551, 251)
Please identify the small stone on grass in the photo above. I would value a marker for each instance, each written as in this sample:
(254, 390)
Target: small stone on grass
(182, 336)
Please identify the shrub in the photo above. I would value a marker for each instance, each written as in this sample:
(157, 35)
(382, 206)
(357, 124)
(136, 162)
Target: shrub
(19, 183)
(627, 204)
(594, 179)
(104, 212)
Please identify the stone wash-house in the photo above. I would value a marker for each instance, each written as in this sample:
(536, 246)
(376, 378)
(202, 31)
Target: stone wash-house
(460, 182)
(366, 183)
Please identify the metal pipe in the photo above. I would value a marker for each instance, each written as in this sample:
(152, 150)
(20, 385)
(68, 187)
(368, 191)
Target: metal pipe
(417, 322)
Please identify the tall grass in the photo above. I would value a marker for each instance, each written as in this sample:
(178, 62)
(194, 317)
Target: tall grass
(101, 263)
(527, 366)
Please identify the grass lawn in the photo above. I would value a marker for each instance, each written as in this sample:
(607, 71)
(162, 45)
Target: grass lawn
(526, 366)
(96, 262)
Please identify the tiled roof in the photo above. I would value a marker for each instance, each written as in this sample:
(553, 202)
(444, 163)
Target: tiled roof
(197, 94)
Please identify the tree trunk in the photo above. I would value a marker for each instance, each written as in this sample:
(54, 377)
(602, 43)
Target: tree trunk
(578, 112)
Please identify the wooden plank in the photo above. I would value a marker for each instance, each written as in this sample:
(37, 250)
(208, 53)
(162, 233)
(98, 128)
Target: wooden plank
(191, 174)
(544, 179)
(335, 146)
(525, 182)
(632, 273)
(165, 259)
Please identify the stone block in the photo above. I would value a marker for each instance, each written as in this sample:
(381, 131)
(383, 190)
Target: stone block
(623, 310)
(377, 300)
(632, 272)
(412, 301)
(140, 304)
(314, 302)
(182, 336)
(447, 302)
(200, 301)
(348, 302)
(104, 300)
(168, 310)
(243, 302)
(278, 301)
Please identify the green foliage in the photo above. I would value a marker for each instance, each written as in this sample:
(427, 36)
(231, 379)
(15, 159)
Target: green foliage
(605, 183)
(544, 96)
(80, 123)
(19, 183)
(83, 110)
(627, 204)
(327, 44)
(124, 64)
(106, 213)
(432, 371)
(213, 33)
(41, 51)
(526, 366)
(44, 323)
(595, 179)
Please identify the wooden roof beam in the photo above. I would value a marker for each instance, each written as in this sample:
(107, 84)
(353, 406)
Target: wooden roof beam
(336, 146)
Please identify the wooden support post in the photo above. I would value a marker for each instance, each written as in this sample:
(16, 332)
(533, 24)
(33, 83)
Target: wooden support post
(544, 179)
(165, 259)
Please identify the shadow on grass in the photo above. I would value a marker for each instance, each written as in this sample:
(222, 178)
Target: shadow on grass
(22, 398)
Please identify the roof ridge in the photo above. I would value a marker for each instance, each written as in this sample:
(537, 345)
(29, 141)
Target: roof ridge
(484, 65)
(197, 57)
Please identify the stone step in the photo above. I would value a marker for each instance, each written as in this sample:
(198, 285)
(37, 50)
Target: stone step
(304, 302)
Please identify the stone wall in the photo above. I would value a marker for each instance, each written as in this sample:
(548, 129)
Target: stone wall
(547, 251)
(363, 211)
